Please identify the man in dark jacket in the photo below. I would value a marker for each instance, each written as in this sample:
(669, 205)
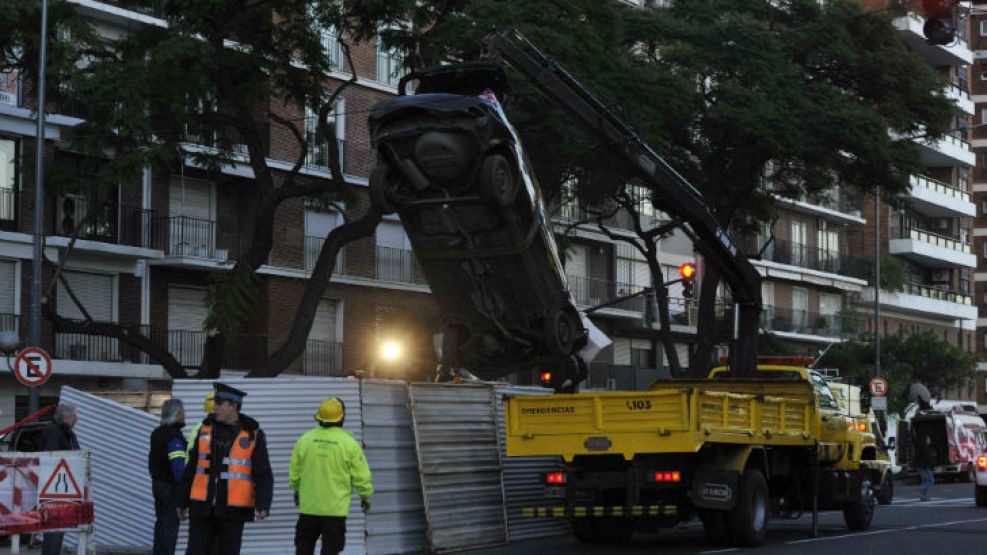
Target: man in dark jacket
(58, 436)
(228, 480)
(166, 464)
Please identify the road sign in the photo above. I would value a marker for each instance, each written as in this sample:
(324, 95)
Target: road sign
(60, 484)
(32, 367)
(879, 403)
(878, 386)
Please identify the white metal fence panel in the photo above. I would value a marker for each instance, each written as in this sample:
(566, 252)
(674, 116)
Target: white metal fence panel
(459, 461)
(522, 479)
(285, 407)
(119, 438)
(396, 522)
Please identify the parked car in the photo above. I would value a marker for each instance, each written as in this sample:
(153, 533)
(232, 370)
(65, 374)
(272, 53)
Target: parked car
(452, 166)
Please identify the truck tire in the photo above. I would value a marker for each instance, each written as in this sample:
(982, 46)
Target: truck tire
(980, 495)
(886, 493)
(561, 330)
(858, 513)
(715, 527)
(497, 182)
(748, 520)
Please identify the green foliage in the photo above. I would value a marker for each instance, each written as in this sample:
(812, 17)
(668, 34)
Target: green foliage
(923, 358)
(893, 274)
(232, 299)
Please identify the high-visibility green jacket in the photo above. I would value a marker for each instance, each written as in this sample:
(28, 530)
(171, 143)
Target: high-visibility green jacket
(193, 437)
(327, 464)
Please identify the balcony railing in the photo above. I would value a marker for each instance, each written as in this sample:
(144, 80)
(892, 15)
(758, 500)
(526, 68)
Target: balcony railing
(938, 293)
(386, 264)
(398, 265)
(123, 225)
(589, 291)
(8, 209)
(941, 188)
(931, 238)
(9, 322)
(313, 246)
(572, 212)
(323, 358)
(806, 322)
(798, 254)
(154, 8)
(195, 238)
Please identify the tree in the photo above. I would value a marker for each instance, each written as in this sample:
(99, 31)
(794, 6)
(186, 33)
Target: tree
(922, 358)
(232, 69)
(730, 92)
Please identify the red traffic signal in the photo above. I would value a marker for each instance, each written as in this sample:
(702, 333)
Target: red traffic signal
(687, 270)
(545, 378)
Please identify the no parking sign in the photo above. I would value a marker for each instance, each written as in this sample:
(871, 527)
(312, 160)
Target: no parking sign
(32, 367)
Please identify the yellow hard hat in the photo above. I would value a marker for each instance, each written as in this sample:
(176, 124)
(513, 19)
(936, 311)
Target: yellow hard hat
(210, 403)
(331, 411)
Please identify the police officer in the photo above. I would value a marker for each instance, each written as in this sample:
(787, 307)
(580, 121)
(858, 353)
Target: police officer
(228, 479)
(166, 465)
(327, 464)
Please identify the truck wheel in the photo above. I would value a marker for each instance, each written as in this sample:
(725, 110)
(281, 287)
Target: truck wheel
(561, 328)
(381, 192)
(980, 494)
(858, 513)
(886, 492)
(715, 527)
(497, 182)
(748, 520)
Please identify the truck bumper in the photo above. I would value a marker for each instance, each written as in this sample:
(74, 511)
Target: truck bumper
(592, 511)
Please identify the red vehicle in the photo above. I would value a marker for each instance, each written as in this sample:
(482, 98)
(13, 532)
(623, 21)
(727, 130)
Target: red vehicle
(957, 435)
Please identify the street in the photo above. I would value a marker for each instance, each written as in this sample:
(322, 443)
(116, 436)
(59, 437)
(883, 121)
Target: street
(948, 523)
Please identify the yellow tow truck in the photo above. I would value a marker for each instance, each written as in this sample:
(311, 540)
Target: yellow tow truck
(730, 450)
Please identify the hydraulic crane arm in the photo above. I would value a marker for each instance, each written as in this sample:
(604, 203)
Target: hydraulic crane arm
(679, 197)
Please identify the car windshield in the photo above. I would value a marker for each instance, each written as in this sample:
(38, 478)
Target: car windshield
(826, 398)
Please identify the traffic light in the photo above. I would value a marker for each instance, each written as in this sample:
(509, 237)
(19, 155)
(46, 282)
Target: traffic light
(687, 272)
(940, 21)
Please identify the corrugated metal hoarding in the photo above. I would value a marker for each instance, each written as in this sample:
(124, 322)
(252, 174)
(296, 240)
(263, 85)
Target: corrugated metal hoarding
(119, 438)
(522, 479)
(396, 522)
(285, 407)
(459, 461)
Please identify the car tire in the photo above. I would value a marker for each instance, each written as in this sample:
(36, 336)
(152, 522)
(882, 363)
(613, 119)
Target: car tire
(381, 190)
(498, 183)
(980, 495)
(858, 513)
(715, 527)
(748, 520)
(886, 494)
(561, 330)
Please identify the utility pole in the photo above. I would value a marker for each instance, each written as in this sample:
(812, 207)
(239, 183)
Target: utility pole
(39, 196)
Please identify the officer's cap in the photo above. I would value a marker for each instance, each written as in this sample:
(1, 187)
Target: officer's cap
(225, 392)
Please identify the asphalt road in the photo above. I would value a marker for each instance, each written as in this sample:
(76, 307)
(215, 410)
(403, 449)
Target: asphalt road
(948, 524)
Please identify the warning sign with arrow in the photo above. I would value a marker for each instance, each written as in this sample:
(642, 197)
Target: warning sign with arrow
(62, 480)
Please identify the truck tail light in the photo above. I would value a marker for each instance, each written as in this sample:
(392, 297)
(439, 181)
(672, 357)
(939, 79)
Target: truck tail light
(668, 476)
(555, 478)
(545, 378)
(982, 463)
(862, 427)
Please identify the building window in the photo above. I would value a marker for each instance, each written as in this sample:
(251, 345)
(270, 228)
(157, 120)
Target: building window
(8, 184)
(983, 75)
(318, 143)
(390, 64)
(983, 28)
(331, 47)
(983, 207)
(965, 280)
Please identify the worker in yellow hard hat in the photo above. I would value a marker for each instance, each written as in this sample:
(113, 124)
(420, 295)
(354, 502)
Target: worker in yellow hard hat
(327, 464)
(209, 407)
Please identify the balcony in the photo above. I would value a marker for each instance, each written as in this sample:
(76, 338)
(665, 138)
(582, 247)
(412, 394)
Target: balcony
(837, 206)
(931, 249)
(8, 209)
(387, 263)
(9, 322)
(313, 246)
(784, 321)
(108, 223)
(181, 237)
(925, 300)
(590, 292)
(323, 358)
(951, 150)
(961, 98)
(801, 255)
(939, 200)
(571, 212)
(910, 27)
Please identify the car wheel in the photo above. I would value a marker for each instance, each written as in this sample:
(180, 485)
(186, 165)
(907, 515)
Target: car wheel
(885, 495)
(980, 495)
(858, 513)
(497, 182)
(561, 329)
(381, 190)
(748, 520)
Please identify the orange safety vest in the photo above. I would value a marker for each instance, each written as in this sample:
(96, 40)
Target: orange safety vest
(236, 470)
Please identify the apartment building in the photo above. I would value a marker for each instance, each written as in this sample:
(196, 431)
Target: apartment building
(978, 92)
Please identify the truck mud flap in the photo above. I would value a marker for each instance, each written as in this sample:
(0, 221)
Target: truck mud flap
(591, 511)
(715, 488)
